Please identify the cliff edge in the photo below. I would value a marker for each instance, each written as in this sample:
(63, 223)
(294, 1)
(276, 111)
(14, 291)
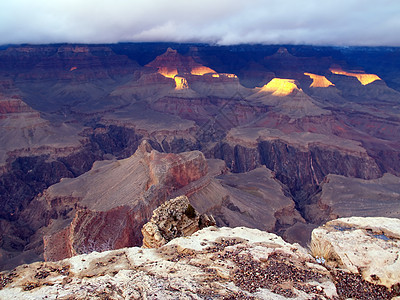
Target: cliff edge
(220, 263)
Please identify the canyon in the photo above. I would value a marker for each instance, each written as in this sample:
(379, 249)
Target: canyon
(277, 138)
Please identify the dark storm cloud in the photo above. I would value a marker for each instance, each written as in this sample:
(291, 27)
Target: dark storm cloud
(343, 22)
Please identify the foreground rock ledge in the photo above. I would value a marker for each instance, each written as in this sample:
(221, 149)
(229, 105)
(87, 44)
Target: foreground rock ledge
(369, 246)
(217, 263)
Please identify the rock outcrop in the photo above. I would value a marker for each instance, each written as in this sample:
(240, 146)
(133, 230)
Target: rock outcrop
(14, 105)
(217, 263)
(106, 207)
(172, 219)
(363, 78)
(171, 63)
(366, 246)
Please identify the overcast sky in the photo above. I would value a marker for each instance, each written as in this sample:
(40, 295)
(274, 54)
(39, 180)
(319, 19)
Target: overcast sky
(326, 22)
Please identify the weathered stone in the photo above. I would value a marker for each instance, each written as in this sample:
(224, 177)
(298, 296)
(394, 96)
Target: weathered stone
(212, 263)
(369, 246)
(106, 207)
(217, 263)
(63, 107)
(174, 218)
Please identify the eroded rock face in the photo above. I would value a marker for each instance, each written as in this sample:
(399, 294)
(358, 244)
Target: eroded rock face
(218, 263)
(368, 246)
(8, 106)
(253, 199)
(171, 63)
(176, 170)
(106, 207)
(301, 161)
(172, 219)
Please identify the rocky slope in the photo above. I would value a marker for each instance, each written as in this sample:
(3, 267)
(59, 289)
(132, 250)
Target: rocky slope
(342, 197)
(106, 207)
(367, 246)
(253, 199)
(25, 133)
(300, 160)
(226, 263)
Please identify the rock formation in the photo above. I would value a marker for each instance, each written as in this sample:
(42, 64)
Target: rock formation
(300, 160)
(25, 133)
(221, 263)
(366, 246)
(319, 81)
(106, 207)
(280, 87)
(252, 199)
(171, 63)
(174, 218)
(363, 78)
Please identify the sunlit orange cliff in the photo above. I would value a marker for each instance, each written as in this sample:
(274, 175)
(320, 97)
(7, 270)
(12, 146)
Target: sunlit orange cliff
(319, 80)
(280, 87)
(362, 77)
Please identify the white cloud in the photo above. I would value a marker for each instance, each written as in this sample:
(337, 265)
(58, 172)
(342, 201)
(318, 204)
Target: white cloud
(349, 22)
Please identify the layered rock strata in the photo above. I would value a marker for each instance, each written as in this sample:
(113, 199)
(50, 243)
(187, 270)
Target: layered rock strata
(106, 207)
(253, 199)
(63, 107)
(300, 160)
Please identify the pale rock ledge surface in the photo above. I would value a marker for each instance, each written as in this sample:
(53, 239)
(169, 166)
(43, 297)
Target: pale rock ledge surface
(213, 263)
(369, 246)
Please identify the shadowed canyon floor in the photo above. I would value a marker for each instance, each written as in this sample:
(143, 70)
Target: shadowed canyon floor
(282, 139)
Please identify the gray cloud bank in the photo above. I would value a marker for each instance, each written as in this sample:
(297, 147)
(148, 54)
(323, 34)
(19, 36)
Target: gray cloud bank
(321, 22)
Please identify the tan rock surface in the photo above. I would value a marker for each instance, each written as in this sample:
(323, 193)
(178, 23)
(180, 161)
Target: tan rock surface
(285, 98)
(369, 246)
(212, 263)
(216, 263)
